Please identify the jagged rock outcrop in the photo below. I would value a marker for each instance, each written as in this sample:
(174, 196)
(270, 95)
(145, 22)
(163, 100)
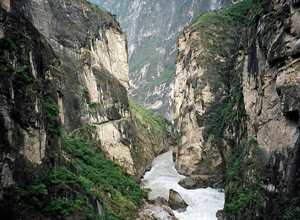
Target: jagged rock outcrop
(195, 94)
(243, 119)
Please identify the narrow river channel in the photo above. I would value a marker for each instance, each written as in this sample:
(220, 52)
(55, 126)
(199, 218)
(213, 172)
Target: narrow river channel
(203, 203)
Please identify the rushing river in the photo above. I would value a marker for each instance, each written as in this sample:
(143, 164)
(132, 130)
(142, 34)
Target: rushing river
(203, 203)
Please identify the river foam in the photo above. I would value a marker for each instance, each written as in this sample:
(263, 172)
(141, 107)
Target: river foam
(203, 203)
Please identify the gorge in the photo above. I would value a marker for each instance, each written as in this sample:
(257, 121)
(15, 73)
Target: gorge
(152, 29)
(74, 145)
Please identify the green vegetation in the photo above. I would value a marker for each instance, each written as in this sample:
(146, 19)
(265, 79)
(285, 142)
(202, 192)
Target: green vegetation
(60, 193)
(120, 193)
(221, 30)
(244, 191)
(158, 123)
(52, 112)
(226, 3)
(13, 44)
(287, 208)
(44, 196)
(228, 112)
(59, 69)
(151, 133)
(95, 105)
(138, 64)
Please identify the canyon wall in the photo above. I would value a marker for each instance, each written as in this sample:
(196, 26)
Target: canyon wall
(236, 107)
(65, 82)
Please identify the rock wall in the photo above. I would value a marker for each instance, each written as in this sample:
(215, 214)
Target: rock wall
(94, 81)
(196, 92)
(245, 128)
(64, 70)
(271, 88)
(204, 86)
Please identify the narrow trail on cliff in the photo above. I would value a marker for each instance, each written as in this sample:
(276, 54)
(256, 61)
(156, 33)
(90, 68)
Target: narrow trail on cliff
(203, 203)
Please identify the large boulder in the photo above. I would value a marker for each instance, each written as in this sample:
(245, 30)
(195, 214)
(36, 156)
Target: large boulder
(176, 202)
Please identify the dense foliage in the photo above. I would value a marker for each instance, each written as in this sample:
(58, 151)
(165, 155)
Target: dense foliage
(244, 191)
(102, 172)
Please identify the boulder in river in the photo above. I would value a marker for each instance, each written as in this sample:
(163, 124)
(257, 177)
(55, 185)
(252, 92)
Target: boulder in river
(176, 202)
(201, 181)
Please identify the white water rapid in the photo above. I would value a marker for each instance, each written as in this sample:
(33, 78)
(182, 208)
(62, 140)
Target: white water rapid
(203, 203)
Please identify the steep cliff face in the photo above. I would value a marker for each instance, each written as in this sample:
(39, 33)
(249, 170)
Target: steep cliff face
(64, 105)
(271, 88)
(242, 122)
(94, 83)
(26, 129)
(93, 86)
(152, 28)
(205, 84)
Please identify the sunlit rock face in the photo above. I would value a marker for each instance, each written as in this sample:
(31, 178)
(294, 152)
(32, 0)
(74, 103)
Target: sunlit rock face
(197, 88)
(152, 29)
